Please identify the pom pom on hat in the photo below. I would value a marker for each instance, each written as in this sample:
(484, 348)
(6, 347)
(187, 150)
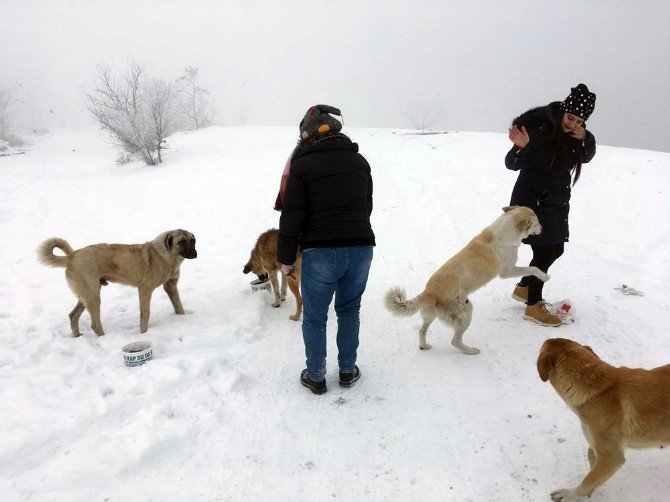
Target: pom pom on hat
(318, 120)
(580, 102)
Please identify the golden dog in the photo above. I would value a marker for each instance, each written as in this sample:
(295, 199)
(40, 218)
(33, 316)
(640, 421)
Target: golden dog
(491, 253)
(144, 266)
(264, 264)
(619, 408)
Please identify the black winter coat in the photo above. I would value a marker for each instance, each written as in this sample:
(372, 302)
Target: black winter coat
(538, 186)
(328, 199)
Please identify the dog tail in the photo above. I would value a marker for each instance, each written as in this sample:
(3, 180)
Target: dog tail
(397, 303)
(45, 253)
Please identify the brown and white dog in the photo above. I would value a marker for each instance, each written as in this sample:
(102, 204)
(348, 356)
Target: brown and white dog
(490, 254)
(263, 262)
(144, 266)
(619, 408)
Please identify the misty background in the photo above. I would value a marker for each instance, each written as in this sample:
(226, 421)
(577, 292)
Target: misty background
(459, 66)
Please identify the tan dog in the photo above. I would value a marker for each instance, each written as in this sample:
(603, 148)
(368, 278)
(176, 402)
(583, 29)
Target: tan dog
(144, 266)
(619, 407)
(264, 264)
(491, 253)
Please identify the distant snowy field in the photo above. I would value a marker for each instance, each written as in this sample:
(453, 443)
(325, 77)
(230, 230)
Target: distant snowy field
(219, 413)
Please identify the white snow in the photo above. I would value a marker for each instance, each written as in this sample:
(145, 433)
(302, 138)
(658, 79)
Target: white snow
(219, 414)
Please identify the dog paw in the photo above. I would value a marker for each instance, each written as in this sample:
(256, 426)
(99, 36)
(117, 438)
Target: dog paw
(276, 304)
(425, 346)
(295, 317)
(471, 351)
(566, 495)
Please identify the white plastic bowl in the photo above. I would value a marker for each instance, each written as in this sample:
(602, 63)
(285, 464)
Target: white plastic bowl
(258, 285)
(137, 353)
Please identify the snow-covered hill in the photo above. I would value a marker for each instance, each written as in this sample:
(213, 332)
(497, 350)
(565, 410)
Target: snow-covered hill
(219, 413)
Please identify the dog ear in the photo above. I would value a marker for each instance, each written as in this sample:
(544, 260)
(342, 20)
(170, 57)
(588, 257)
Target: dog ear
(508, 208)
(523, 224)
(590, 350)
(246, 269)
(167, 242)
(545, 363)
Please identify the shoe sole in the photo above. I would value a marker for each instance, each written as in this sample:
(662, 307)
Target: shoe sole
(529, 318)
(348, 384)
(314, 391)
(519, 299)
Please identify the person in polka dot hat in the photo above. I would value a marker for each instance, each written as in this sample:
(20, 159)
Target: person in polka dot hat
(551, 144)
(580, 103)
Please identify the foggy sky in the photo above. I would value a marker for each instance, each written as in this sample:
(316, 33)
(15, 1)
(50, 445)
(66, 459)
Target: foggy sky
(466, 66)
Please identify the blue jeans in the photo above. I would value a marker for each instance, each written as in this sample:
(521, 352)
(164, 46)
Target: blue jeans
(344, 272)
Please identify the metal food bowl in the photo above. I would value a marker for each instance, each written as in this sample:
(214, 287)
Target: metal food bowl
(258, 285)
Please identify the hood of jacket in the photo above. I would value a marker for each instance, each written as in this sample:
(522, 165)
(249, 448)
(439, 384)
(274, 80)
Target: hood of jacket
(535, 117)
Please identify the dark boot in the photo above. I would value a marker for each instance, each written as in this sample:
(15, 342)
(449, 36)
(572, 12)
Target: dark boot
(349, 379)
(315, 387)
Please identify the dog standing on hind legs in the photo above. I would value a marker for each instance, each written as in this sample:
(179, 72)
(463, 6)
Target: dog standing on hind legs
(263, 262)
(491, 253)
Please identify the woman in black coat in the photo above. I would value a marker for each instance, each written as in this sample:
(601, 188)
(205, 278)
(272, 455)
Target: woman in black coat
(326, 215)
(550, 145)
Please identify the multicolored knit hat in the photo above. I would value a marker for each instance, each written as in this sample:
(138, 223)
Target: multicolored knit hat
(318, 120)
(580, 102)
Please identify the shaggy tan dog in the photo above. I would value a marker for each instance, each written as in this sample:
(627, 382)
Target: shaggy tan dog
(619, 408)
(264, 264)
(490, 254)
(144, 266)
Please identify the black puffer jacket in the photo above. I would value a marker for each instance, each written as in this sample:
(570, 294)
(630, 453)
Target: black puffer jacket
(328, 199)
(538, 186)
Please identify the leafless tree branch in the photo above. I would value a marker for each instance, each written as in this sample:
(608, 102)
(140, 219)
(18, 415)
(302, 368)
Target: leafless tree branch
(138, 115)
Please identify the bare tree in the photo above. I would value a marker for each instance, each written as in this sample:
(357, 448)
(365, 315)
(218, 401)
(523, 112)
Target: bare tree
(161, 102)
(423, 114)
(6, 102)
(194, 100)
(137, 115)
(10, 100)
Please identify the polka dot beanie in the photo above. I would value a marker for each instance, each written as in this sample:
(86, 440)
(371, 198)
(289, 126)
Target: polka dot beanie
(318, 120)
(580, 102)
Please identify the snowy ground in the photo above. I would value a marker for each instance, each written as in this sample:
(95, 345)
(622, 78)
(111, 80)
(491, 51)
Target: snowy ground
(219, 413)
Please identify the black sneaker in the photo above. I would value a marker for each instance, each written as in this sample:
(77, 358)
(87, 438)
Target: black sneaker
(349, 379)
(315, 387)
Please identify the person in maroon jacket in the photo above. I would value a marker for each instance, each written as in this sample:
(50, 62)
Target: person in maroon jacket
(326, 214)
